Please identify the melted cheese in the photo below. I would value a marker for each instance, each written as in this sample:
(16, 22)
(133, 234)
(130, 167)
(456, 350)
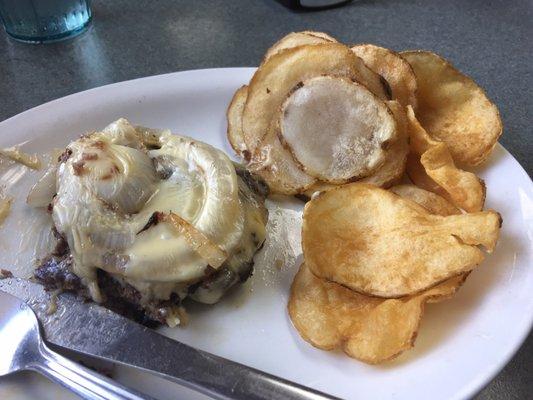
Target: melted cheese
(108, 190)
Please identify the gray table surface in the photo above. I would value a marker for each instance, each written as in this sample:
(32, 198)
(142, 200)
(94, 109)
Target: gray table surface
(489, 40)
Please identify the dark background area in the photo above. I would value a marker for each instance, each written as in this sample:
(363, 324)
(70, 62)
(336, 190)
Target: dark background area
(491, 41)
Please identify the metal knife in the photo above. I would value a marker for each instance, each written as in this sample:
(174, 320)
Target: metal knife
(92, 330)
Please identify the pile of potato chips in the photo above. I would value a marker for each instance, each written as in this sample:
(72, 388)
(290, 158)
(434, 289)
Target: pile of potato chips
(341, 126)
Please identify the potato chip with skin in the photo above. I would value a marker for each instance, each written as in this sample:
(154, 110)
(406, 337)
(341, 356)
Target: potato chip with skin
(376, 243)
(391, 66)
(454, 109)
(295, 39)
(431, 167)
(278, 76)
(336, 128)
(272, 162)
(370, 329)
(393, 168)
(275, 164)
(234, 122)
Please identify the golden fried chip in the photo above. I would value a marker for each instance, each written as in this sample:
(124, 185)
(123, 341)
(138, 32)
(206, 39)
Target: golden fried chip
(463, 188)
(277, 77)
(454, 109)
(391, 66)
(435, 204)
(295, 39)
(370, 329)
(377, 243)
(432, 202)
(234, 119)
(431, 167)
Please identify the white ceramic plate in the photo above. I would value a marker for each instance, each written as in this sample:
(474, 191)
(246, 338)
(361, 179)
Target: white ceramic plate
(462, 344)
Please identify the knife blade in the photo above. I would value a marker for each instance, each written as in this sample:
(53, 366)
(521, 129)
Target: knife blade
(90, 329)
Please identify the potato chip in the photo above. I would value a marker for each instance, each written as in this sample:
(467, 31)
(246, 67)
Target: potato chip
(275, 164)
(295, 39)
(454, 109)
(272, 162)
(432, 202)
(370, 329)
(377, 243)
(336, 128)
(391, 66)
(277, 77)
(394, 166)
(463, 188)
(431, 167)
(234, 119)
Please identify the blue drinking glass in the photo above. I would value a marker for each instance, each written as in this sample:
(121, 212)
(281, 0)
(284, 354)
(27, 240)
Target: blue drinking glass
(40, 21)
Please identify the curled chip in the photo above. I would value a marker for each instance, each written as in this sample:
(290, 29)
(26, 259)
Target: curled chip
(278, 75)
(454, 109)
(295, 39)
(370, 329)
(234, 117)
(336, 128)
(377, 243)
(431, 167)
(435, 204)
(391, 66)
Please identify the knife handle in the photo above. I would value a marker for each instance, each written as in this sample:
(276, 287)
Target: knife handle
(84, 382)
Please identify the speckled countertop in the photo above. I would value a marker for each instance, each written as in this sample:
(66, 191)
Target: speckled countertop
(489, 40)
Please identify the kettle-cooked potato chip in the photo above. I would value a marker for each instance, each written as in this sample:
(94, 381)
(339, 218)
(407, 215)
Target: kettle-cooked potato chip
(391, 66)
(432, 202)
(431, 167)
(275, 164)
(278, 76)
(395, 160)
(336, 128)
(272, 161)
(295, 39)
(376, 243)
(370, 329)
(454, 109)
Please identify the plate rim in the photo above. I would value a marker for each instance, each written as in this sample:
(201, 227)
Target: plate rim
(477, 384)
